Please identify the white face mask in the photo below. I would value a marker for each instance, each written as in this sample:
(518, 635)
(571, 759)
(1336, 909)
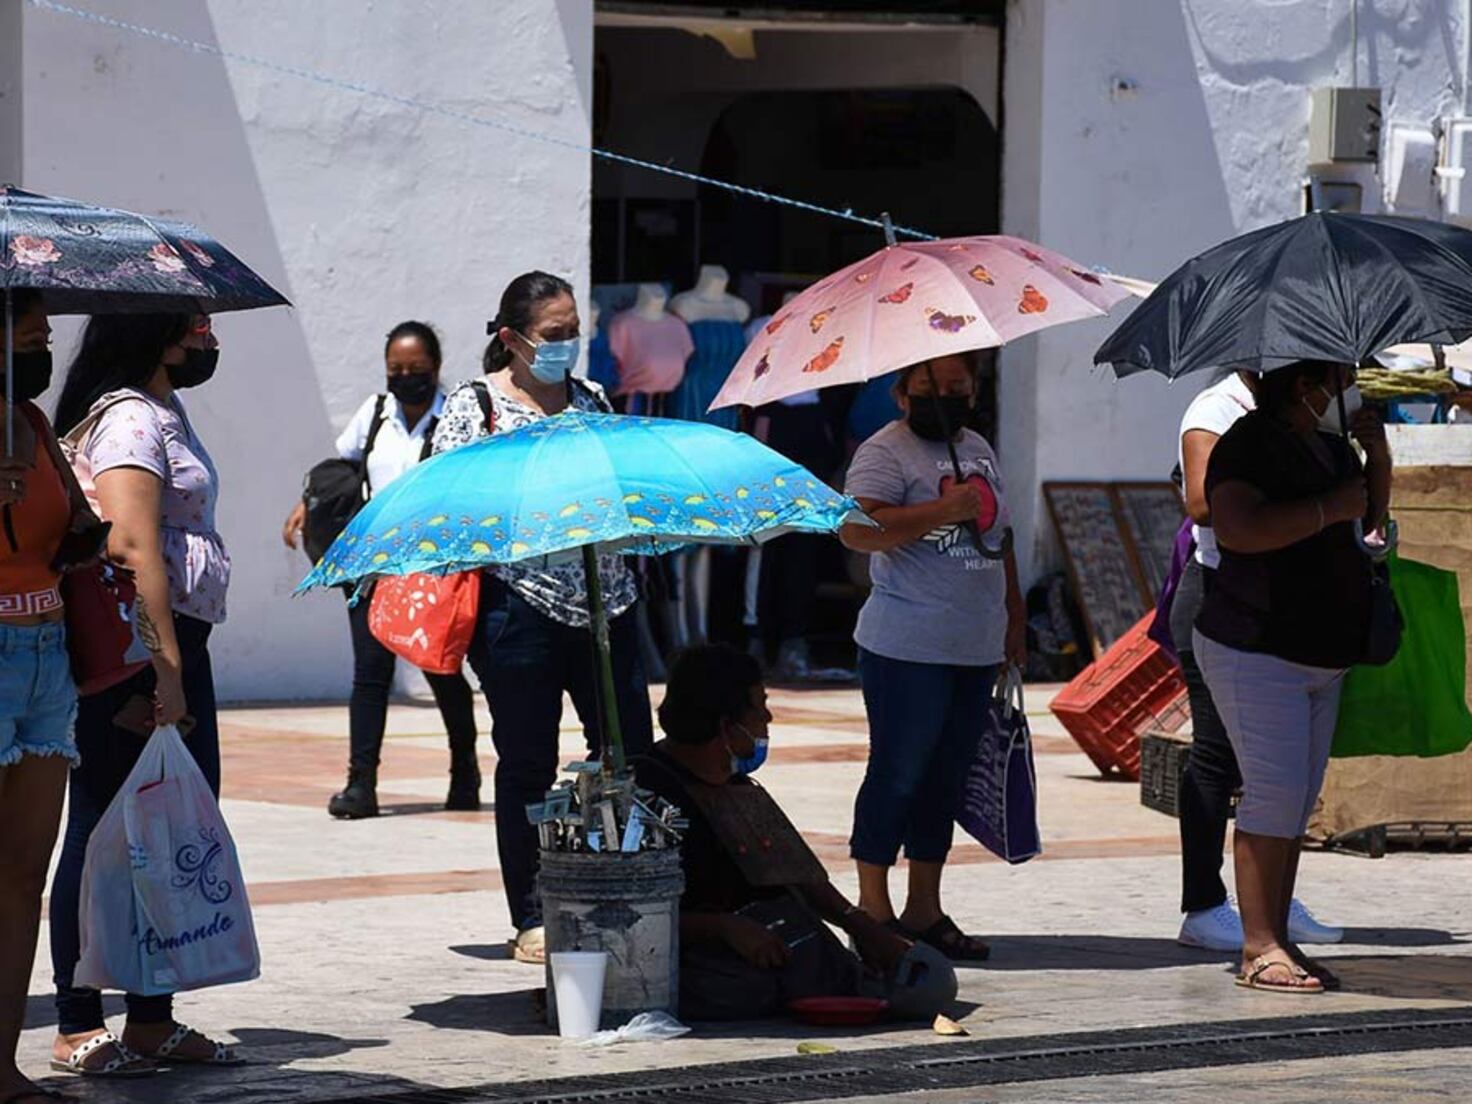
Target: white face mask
(1329, 420)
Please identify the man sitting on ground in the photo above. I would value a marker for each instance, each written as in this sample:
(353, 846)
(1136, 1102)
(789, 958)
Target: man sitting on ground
(753, 936)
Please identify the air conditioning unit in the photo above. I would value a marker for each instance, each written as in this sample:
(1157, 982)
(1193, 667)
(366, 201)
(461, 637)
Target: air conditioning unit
(1344, 125)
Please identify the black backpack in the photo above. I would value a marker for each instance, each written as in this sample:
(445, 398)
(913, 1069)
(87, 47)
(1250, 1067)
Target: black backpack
(335, 490)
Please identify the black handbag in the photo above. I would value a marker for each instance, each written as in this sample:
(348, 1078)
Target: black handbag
(336, 489)
(1382, 642)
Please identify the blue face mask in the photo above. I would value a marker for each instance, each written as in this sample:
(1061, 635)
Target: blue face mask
(553, 361)
(749, 764)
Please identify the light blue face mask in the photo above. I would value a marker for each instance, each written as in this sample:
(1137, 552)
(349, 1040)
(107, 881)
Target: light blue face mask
(553, 361)
(749, 764)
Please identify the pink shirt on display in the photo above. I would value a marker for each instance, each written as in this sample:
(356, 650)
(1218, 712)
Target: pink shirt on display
(651, 354)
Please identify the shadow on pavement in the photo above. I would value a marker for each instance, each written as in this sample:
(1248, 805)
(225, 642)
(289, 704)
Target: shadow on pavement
(279, 1046)
(1401, 937)
(487, 952)
(1092, 952)
(522, 1013)
(1406, 977)
(265, 1076)
(516, 1013)
(786, 1028)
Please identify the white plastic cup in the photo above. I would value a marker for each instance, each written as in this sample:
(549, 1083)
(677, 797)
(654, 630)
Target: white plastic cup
(577, 977)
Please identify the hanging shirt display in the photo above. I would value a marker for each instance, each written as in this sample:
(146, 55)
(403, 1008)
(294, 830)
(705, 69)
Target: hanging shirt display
(651, 352)
(718, 346)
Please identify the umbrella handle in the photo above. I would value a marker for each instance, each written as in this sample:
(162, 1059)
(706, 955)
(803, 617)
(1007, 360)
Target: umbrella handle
(989, 553)
(1378, 553)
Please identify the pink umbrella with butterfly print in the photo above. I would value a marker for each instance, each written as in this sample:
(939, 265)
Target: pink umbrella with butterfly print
(911, 302)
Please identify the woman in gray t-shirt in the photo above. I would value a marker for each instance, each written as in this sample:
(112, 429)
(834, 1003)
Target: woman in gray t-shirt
(939, 624)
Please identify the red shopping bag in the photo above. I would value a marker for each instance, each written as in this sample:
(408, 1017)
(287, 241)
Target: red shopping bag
(100, 632)
(427, 619)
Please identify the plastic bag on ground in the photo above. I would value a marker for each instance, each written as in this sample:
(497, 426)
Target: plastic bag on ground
(163, 903)
(646, 1027)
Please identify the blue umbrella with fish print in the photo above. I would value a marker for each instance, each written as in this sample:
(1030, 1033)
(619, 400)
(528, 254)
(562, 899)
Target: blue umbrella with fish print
(568, 486)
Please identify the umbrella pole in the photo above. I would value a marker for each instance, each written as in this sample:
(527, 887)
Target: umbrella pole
(9, 403)
(9, 375)
(613, 760)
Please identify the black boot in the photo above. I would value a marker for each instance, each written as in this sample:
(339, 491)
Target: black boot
(464, 795)
(359, 798)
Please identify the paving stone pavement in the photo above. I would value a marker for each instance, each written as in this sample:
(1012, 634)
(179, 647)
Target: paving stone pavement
(385, 967)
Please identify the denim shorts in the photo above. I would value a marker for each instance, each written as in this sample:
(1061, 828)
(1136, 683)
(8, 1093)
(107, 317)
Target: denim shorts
(38, 700)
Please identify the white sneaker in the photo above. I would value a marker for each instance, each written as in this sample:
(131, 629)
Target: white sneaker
(1303, 928)
(1214, 929)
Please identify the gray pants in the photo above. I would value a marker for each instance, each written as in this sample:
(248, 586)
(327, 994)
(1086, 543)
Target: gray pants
(1280, 718)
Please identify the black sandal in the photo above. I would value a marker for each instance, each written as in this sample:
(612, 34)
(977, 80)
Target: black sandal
(952, 942)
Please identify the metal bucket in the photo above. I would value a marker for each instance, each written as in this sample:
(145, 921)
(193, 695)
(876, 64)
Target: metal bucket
(627, 905)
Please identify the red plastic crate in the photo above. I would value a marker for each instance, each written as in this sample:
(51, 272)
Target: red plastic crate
(1134, 686)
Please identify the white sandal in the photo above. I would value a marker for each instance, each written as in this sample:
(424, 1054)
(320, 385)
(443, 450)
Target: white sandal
(126, 1064)
(530, 946)
(223, 1055)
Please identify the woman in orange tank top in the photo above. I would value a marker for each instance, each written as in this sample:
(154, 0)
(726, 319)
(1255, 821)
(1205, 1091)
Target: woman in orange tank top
(38, 701)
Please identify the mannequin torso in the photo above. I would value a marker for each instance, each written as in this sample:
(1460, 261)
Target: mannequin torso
(709, 301)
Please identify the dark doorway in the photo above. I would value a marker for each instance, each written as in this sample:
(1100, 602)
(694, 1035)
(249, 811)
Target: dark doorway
(928, 156)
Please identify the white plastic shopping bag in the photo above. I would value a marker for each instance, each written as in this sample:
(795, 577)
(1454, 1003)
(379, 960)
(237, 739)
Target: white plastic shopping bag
(163, 905)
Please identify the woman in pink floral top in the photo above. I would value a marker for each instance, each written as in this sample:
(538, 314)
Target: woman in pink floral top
(157, 486)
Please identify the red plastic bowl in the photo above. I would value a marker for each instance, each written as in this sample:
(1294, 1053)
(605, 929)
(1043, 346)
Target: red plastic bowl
(839, 1011)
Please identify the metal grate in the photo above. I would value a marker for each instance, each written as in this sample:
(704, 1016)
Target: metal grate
(961, 1065)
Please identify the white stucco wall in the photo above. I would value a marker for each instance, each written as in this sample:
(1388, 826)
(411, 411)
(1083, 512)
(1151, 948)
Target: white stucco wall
(363, 212)
(1209, 140)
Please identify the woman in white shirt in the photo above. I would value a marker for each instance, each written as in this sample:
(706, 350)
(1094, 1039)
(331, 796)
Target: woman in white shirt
(406, 418)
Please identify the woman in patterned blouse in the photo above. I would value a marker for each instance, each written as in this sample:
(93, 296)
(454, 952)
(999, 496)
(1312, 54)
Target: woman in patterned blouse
(158, 486)
(532, 643)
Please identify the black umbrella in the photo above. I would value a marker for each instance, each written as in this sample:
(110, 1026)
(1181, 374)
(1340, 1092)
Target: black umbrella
(97, 260)
(1321, 287)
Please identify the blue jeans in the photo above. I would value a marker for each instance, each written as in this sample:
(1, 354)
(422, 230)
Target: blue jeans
(525, 661)
(109, 754)
(925, 720)
(38, 700)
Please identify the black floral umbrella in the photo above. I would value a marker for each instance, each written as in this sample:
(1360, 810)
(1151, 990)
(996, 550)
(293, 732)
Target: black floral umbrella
(97, 260)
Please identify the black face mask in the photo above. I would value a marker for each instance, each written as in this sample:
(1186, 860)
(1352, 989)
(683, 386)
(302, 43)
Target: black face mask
(925, 418)
(199, 365)
(32, 374)
(414, 389)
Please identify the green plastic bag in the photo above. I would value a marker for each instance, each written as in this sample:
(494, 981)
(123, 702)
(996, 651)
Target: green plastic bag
(1417, 703)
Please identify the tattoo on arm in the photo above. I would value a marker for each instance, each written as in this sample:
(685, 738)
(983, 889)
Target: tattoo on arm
(147, 630)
